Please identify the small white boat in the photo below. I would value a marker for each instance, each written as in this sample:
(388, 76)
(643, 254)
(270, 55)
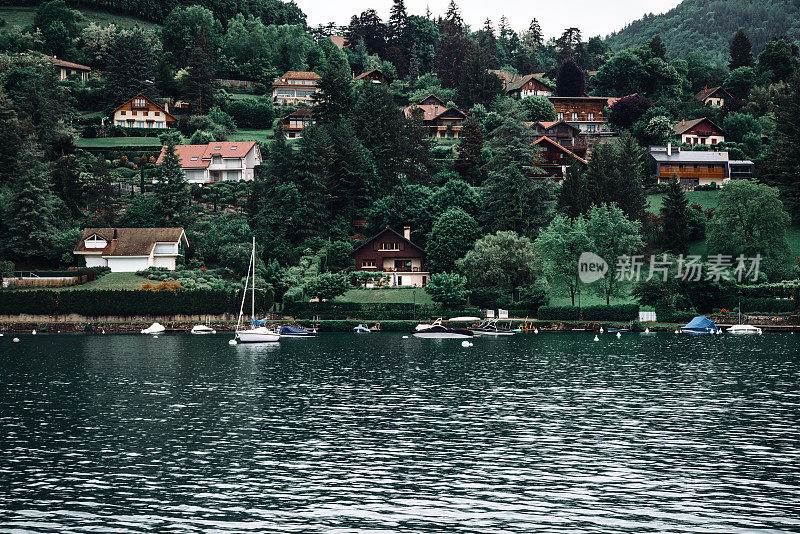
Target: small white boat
(155, 328)
(202, 329)
(744, 329)
(257, 333)
(491, 328)
(436, 330)
(361, 329)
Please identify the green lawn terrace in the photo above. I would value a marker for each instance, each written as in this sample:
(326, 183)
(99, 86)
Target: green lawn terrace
(23, 16)
(387, 296)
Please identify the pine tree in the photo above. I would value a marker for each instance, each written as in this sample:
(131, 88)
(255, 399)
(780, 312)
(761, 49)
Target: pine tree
(398, 20)
(11, 136)
(171, 189)
(783, 167)
(200, 80)
(413, 64)
(470, 147)
(741, 51)
(478, 85)
(335, 98)
(534, 38)
(629, 193)
(130, 68)
(657, 48)
(573, 199)
(602, 175)
(30, 217)
(570, 80)
(676, 219)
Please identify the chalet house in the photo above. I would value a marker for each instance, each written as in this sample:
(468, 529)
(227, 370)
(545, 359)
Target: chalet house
(697, 167)
(529, 85)
(217, 161)
(67, 68)
(373, 76)
(442, 121)
(563, 133)
(294, 122)
(583, 112)
(701, 131)
(127, 250)
(142, 112)
(394, 254)
(714, 97)
(554, 158)
(295, 87)
(507, 77)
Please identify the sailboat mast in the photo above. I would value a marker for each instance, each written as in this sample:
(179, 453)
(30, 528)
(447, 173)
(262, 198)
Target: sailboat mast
(253, 303)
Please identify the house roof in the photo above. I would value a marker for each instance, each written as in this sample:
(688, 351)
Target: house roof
(545, 139)
(550, 124)
(708, 93)
(167, 115)
(365, 74)
(685, 126)
(130, 241)
(67, 64)
(432, 96)
(298, 75)
(430, 112)
(687, 156)
(339, 40)
(522, 80)
(394, 233)
(299, 112)
(199, 156)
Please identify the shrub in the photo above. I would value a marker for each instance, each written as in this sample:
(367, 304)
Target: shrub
(618, 312)
(6, 268)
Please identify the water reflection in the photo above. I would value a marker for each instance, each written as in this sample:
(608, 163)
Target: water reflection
(556, 433)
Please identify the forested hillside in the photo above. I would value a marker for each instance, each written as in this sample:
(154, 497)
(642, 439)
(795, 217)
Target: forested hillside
(706, 26)
(269, 11)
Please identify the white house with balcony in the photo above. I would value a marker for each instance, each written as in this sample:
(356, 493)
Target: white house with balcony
(127, 250)
(217, 161)
(295, 87)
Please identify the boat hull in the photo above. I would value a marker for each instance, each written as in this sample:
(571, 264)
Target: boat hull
(257, 335)
(442, 335)
(492, 332)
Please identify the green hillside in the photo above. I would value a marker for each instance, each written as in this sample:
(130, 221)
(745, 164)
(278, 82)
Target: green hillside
(23, 16)
(707, 26)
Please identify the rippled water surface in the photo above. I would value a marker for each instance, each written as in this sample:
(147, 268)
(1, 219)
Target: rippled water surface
(349, 433)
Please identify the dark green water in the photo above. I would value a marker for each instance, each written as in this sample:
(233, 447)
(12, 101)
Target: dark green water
(354, 433)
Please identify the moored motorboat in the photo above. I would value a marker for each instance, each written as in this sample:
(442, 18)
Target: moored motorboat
(155, 328)
(293, 331)
(202, 329)
(699, 326)
(436, 330)
(744, 329)
(491, 328)
(361, 329)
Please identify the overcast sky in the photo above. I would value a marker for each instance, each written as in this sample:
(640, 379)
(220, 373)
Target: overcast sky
(593, 17)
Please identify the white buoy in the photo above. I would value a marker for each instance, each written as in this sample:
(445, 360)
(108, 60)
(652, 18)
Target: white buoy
(646, 330)
(232, 342)
(465, 343)
(405, 337)
(619, 335)
(677, 331)
(155, 337)
(601, 330)
(15, 340)
(103, 331)
(535, 330)
(471, 343)
(33, 333)
(596, 338)
(1, 334)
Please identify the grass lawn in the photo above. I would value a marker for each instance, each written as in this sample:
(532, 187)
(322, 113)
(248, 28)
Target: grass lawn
(391, 296)
(23, 16)
(706, 199)
(588, 299)
(252, 134)
(113, 142)
(116, 281)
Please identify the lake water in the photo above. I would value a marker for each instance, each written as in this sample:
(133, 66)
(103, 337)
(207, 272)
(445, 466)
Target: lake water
(355, 433)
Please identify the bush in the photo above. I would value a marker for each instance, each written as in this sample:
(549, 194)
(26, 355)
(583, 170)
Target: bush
(252, 112)
(617, 312)
(561, 313)
(370, 311)
(6, 268)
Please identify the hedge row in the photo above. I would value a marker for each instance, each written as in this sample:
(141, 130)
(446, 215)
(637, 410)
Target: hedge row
(665, 315)
(347, 326)
(120, 302)
(618, 312)
(370, 311)
(765, 305)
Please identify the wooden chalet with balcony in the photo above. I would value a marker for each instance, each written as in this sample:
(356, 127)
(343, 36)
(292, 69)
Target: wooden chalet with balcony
(583, 112)
(295, 87)
(294, 123)
(714, 97)
(142, 112)
(554, 158)
(692, 167)
(395, 255)
(529, 85)
(701, 131)
(374, 77)
(441, 120)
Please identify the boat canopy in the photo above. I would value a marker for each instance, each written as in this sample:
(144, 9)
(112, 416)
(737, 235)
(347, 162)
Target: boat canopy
(700, 323)
(292, 330)
(259, 322)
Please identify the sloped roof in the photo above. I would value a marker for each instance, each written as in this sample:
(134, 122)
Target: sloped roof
(299, 75)
(199, 156)
(545, 139)
(550, 124)
(299, 112)
(430, 112)
(394, 233)
(130, 241)
(67, 64)
(339, 40)
(365, 74)
(708, 93)
(689, 156)
(685, 126)
(167, 115)
(522, 80)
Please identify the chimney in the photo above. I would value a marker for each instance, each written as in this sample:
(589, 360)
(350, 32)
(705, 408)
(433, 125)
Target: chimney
(407, 232)
(669, 148)
(683, 121)
(115, 234)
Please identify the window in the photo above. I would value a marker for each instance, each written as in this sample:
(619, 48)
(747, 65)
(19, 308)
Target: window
(591, 116)
(156, 113)
(561, 116)
(234, 147)
(193, 158)
(122, 112)
(574, 116)
(134, 113)
(139, 102)
(367, 263)
(389, 246)
(591, 128)
(402, 265)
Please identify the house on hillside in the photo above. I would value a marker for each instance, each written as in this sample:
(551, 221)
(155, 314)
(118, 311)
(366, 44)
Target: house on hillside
(67, 68)
(554, 158)
(529, 85)
(442, 121)
(395, 255)
(339, 40)
(373, 76)
(583, 112)
(714, 97)
(692, 167)
(127, 250)
(507, 77)
(142, 112)
(217, 161)
(701, 131)
(563, 133)
(293, 123)
(295, 87)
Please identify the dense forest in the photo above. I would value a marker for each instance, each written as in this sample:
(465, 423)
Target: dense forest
(705, 26)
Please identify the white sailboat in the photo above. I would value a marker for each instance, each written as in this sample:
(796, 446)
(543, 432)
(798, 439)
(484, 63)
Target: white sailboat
(743, 328)
(254, 334)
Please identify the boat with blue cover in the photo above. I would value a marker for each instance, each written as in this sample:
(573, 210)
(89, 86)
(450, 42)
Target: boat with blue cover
(293, 331)
(700, 325)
